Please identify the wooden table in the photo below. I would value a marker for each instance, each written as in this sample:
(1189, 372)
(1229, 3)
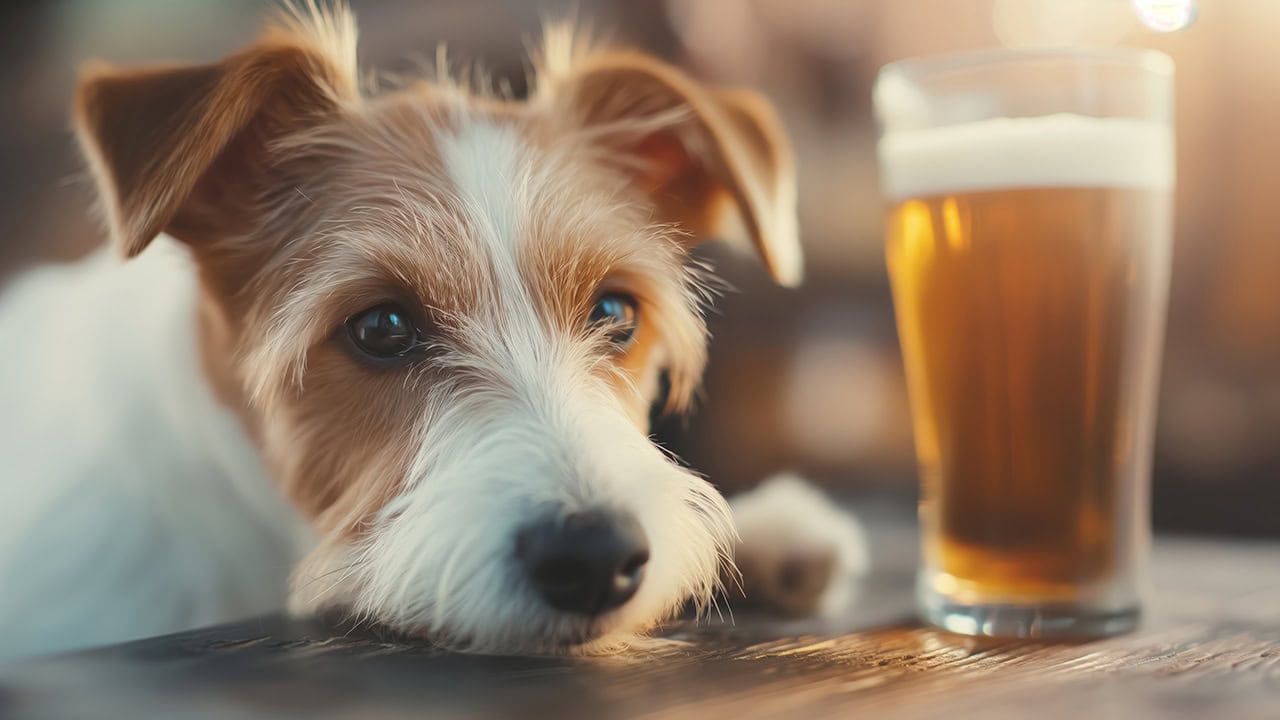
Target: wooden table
(1210, 648)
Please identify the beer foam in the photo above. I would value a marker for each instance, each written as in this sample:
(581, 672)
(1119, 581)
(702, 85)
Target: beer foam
(1007, 153)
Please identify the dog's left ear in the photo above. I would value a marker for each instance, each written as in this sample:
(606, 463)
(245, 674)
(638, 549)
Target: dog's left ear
(715, 162)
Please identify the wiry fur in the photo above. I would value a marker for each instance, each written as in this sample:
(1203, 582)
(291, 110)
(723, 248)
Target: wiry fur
(294, 200)
(520, 385)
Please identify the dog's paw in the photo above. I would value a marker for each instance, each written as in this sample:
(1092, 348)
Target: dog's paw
(799, 553)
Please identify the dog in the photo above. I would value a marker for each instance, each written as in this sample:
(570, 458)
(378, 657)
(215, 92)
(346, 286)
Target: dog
(393, 354)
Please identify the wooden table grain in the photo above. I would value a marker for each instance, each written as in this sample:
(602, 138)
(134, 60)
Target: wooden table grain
(1209, 648)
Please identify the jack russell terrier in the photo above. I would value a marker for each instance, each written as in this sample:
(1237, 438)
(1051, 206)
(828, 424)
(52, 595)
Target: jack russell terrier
(393, 354)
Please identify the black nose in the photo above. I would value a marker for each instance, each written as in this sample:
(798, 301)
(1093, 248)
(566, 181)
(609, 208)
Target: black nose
(585, 563)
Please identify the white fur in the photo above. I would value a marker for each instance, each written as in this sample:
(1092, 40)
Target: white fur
(498, 458)
(131, 504)
(488, 164)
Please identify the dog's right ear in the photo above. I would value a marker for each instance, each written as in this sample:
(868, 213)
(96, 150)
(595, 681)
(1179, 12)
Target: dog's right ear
(186, 150)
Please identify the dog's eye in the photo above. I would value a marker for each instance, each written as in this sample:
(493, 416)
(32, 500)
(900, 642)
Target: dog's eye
(618, 313)
(384, 331)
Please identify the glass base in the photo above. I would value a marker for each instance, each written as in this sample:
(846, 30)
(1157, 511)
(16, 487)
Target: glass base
(1048, 621)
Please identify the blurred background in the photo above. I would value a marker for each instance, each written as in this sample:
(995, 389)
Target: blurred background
(811, 379)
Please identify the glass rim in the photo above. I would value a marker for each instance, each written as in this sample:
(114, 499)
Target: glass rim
(923, 66)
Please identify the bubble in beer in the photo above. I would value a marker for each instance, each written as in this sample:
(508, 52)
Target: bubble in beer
(1165, 15)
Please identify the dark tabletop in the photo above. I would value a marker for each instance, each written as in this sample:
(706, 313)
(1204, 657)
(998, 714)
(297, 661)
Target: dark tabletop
(1210, 648)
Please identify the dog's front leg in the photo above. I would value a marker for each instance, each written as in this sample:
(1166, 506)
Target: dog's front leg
(798, 553)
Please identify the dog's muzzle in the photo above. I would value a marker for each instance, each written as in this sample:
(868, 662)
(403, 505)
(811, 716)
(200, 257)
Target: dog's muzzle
(586, 563)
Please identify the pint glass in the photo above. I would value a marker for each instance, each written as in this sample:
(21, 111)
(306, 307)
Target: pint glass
(1028, 239)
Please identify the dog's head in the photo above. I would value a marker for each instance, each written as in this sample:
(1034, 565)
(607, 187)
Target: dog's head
(444, 316)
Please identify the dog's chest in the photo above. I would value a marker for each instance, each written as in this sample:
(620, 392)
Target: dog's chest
(130, 502)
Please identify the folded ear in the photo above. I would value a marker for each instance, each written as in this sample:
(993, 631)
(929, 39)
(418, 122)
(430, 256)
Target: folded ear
(184, 149)
(717, 162)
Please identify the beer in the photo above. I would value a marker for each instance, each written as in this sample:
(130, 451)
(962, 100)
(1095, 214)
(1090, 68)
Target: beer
(1029, 261)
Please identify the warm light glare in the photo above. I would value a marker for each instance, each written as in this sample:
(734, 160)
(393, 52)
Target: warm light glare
(1165, 15)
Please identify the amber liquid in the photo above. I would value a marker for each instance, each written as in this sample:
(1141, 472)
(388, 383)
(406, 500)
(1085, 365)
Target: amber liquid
(1031, 323)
